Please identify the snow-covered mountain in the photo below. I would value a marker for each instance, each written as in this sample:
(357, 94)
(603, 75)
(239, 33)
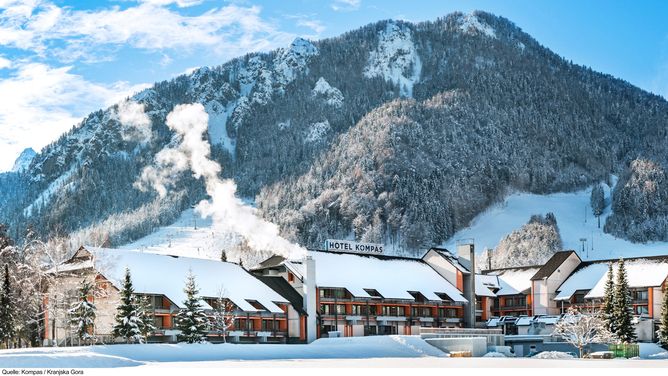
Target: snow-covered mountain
(396, 132)
(24, 159)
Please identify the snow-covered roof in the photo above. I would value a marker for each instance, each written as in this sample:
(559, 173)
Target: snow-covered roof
(648, 272)
(514, 281)
(583, 279)
(640, 273)
(393, 278)
(485, 283)
(166, 275)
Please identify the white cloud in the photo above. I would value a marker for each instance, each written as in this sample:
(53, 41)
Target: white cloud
(346, 5)
(5, 63)
(314, 25)
(150, 25)
(179, 3)
(41, 102)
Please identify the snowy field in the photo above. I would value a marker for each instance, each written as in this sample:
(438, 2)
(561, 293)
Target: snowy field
(574, 218)
(380, 351)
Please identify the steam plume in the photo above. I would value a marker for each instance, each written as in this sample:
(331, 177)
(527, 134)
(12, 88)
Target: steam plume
(135, 124)
(190, 122)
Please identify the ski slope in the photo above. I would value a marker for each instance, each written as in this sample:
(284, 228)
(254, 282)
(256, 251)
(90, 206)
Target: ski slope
(191, 236)
(574, 218)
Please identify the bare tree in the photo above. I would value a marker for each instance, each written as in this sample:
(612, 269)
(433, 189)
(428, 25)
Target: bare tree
(223, 314)
(582, 329)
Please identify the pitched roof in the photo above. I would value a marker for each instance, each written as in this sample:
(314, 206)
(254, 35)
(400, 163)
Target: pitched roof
(552, 264)
(514, 281)
(165, 275)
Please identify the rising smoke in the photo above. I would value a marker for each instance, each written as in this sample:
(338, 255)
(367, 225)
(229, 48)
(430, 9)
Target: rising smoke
(135, 124)
(190, 122)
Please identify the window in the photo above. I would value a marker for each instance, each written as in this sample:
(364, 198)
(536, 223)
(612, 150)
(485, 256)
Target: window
(447, 312)
(333, 293)
(641, 310)
(291, 277)
(268, 325)
(393, 311)
(373, 293)
(422, 311)
(341, 309)
(328, 309)
(639, 295)
(159, 322)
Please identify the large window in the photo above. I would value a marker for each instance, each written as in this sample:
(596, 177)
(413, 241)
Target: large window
(447, 312)
(269, 325)
(328, 309)
(394, 311)
(641, 310)
(333, 293)
(515, 301)
(422, 311)
(361, 310)
(639, 295)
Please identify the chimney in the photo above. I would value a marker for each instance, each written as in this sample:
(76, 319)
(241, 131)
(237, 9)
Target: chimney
(310, 300)
(466, 253)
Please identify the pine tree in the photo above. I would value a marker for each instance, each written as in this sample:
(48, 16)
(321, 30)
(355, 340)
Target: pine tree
(145, 317)
(623, 310)
(82, 313)
(662, 333)
(7, 319)
(223, 256)
(597, 201)
(127, 322)
(191, 320)
(608, 300)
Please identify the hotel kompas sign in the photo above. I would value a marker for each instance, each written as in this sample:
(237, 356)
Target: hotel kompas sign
(348, 246)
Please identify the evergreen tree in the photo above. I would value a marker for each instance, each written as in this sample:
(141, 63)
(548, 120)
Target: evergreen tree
(662, 333)
(7, 322)
(127, 322)
(623, 310)
(608, 300)
(597, 201)
(191, 319)
(82, 313)
(145, 317)
(223, 256)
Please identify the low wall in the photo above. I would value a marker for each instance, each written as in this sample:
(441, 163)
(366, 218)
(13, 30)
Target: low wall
(476, 345)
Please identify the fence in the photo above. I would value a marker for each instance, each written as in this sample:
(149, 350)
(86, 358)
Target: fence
(625, 350)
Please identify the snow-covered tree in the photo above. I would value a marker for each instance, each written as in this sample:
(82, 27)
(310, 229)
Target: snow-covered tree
(223, 314)
(662, 332)
(7, 319)
(223, 256)
(127, 322)
(145, 316)
(622, 308)
(609, 300)
(582, 329)
(82, 313)
(532, 244)
(597, 201)
(191, 319)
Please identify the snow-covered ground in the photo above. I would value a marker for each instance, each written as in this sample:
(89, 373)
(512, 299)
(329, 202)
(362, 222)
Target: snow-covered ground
(380, 351)
(191, 235)
(574, 218)
(134, 355)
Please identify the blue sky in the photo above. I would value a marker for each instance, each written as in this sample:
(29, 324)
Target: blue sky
(59, 59)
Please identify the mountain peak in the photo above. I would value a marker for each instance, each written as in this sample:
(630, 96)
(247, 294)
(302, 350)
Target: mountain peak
(23, 161)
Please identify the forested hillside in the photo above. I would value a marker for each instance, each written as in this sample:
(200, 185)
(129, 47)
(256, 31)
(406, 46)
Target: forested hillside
(396, 132)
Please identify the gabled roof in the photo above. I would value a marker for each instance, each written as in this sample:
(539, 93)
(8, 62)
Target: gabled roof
(553, 264)
(514, 281)
(165, 275)
(591, 276)
(452, 259)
